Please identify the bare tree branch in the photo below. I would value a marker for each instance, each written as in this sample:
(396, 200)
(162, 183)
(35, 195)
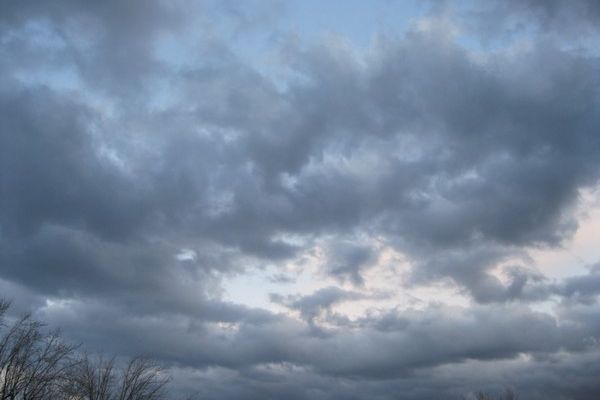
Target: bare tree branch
(33, 362)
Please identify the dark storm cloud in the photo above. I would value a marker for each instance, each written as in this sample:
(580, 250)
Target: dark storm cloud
(117, 157)
(52, 172)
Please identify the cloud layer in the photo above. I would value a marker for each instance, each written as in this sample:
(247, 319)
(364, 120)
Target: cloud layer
(151, 152)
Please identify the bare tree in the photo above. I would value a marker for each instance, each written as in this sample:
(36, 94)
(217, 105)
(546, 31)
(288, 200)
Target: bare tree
(99, 379)
(90, 379)
(33, 363)
(36, 365)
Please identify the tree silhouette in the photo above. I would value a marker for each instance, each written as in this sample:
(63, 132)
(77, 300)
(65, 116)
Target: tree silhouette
(33, 363)
(38, 365)
(99, 379)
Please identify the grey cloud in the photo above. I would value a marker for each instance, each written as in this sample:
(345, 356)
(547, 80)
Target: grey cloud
(573, 19)
(310, 306)
(346, 261)
(531, 286)
(537, 380)
(423, 339)
(583, 288)
(52, 172)
(109, 44)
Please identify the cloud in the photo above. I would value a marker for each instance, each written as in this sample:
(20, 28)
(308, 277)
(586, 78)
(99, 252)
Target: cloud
(572, 20)
(432, 338)
(310, 306)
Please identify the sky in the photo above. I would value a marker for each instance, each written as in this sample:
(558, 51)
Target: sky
(310, 199)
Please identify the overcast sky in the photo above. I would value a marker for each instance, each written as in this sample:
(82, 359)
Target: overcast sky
(310, 199)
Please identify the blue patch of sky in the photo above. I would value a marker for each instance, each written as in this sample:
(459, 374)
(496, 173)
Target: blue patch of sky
(356, 20)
